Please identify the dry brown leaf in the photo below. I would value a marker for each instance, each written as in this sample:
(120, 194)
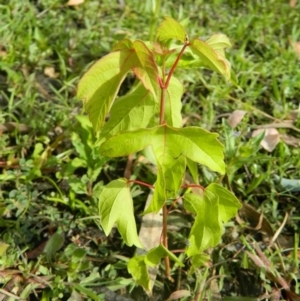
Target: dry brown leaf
(293, 115)
(185, 120)
(3, 51)
(215, 290)
(290, 140)
(6, 274)
(33, 254)
(149, 235)
(151, 227)
(293, 3)
(15, 284)
(40, 281)
(179, 294)
(287, 124)
(50, 71)
(296, 46)
(270, 140)
(255, 219)
(284, 124)
(261, 261)
(235, 118)
(257, 222)
(74, 2)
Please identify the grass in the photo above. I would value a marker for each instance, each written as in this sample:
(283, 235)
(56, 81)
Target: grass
(51, 246)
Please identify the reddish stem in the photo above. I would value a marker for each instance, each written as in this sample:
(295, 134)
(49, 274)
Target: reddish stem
(164, 86)
(162, 106)
(175, 201)
(161, 84)
(175, 64)
(165, 241)
(140, 183)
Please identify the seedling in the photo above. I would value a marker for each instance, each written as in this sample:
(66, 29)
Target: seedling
(149, 117)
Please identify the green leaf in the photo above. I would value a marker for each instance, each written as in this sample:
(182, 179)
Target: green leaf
(127, 142)
(187, 60)
(123, 44)
(169, 179)
(173, 104)
(196, 144)
(207, 229)
(210, 57)
(3, 248)
(228, 203)
(72, 165)
(83, 150)
(219, 42)
(116, 206)
(53, 245)
(154, 256)
(131, 111)
(137, 266)
(86, 291)
(200, 260)
(85, 131)
(146, 70)
(99, 86)
(85, 123)
(192, 201)
(26, 291)
(138, 269)
(78, 255)
(193, 168)
(77, 185)
(170, 29)
(92, 277)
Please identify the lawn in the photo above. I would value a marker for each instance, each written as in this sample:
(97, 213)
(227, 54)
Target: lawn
(52, 245)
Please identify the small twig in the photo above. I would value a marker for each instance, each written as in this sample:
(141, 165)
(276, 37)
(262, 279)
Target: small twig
(4, 292)
(285, 124)
(178, 284)
(275, 236)
(11, 126)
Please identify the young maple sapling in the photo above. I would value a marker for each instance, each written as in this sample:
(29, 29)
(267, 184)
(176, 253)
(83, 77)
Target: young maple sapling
(149, 118)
